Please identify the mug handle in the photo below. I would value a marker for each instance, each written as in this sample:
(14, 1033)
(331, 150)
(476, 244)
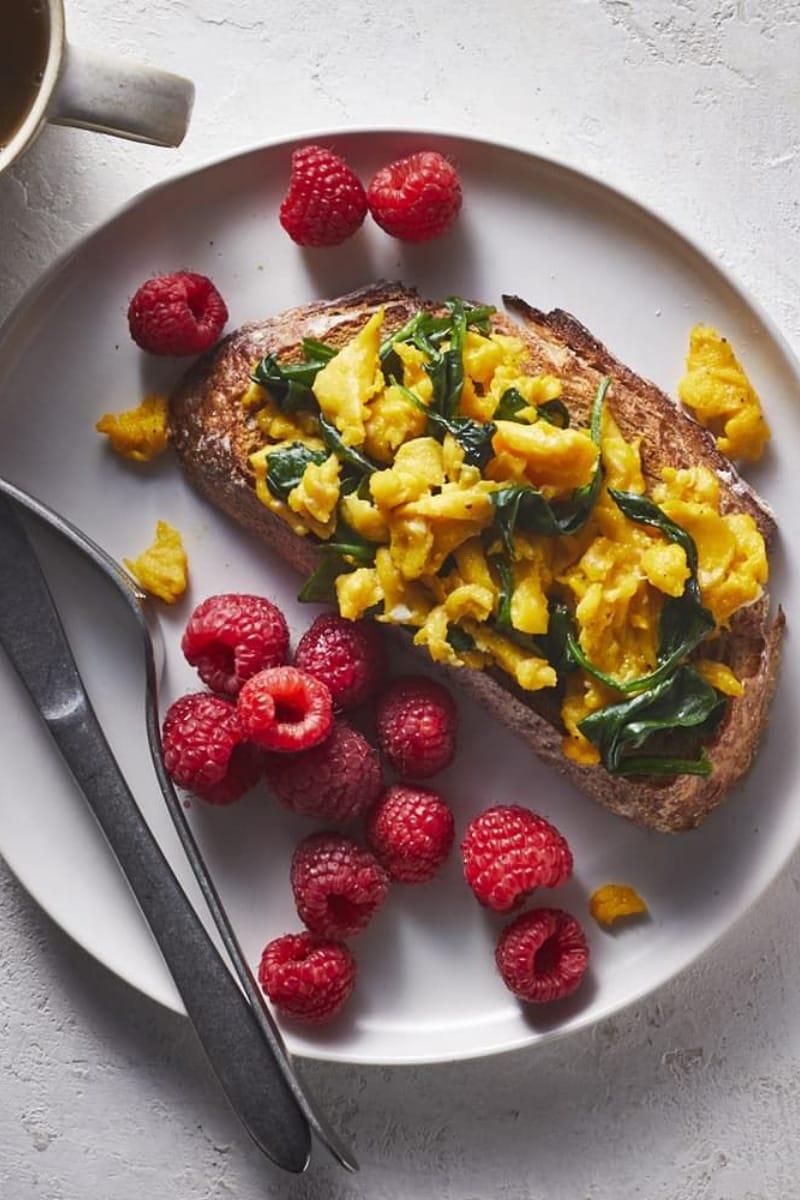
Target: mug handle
(121, 98)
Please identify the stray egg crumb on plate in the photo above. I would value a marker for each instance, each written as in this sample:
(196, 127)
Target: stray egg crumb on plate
(614, 900)
(162, 569)
(140, 433)
(717, 391)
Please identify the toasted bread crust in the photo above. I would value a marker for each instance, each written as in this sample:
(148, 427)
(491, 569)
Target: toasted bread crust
(213, 436)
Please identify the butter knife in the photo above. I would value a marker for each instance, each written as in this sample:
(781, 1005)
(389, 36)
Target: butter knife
(34, 640)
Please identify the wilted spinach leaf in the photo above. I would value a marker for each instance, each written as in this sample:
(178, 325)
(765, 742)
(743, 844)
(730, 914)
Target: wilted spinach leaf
(285, 467)
(346, 454)
(555, 412)
(290, 384)
(683, 701)
(338, 558)
(512, 403)
(459, 639)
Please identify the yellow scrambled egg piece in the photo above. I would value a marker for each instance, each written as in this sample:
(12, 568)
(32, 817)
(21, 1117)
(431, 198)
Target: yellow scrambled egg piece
(530, 671)
(392, 418)
(717, 390)
(162, 569)
(562, 459)
(614, 900)
(316, 496)
(719, 675)
(732, 557)
(138, 433)
(347, 383)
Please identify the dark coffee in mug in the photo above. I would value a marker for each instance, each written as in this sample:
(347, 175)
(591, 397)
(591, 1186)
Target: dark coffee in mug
(24, 41)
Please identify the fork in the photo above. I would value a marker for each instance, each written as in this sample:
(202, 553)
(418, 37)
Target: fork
(238, 1030)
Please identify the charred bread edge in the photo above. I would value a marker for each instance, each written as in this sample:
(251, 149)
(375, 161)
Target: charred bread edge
(213, 436)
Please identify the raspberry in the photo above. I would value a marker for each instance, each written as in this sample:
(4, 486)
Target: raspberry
(338, 887)
(508, 851)
(410, 831)
(204, 749)
(347, 655)
(176, 314)
(542, 955)
(325, 203)
(417, 721)
(284, 709)
(416, 198)
(337, 780)
(230, 637)
(307, 978)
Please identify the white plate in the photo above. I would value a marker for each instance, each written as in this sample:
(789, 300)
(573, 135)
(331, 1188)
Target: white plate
(427, 988)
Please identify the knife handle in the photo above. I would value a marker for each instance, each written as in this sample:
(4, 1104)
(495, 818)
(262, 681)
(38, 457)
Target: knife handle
(239, 1051)
(214, 1002)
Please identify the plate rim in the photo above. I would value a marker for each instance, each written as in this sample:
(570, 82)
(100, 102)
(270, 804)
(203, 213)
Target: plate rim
(614, 192)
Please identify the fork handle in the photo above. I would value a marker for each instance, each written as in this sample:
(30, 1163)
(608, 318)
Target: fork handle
(34, 639)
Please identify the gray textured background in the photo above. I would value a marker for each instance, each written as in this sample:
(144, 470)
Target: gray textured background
(693, 107)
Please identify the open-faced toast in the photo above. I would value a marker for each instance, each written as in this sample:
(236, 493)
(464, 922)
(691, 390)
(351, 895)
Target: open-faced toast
(214, 434)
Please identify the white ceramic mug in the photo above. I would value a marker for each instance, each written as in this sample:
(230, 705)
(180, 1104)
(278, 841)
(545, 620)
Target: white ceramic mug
(93, 91)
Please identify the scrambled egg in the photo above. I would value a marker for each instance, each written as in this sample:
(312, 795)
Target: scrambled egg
(614, 900)
(732, 557)
(440, 565)
(138, 433)
(721, 396)
(161, 569)
(346, 384)
(315, 497)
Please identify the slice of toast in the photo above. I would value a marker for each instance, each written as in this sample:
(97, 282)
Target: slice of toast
(214, 435)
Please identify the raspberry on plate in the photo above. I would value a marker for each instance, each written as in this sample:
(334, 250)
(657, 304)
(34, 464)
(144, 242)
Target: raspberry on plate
(325, 203)
(177, 314)
(307, 978)
(416, 198)
(231, 637)
(417, 721)
(205, 751)
(336, 780)
(284, 709)
(410, 831)
(347, 655)
(338, 886)
(508, 851)
(542, 955)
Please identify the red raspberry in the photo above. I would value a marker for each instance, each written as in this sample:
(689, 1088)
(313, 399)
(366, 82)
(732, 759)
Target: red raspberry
(307, 978)
(542, 955)
(177, 314)
(285, 709)
(325, 203)
(508, 851)
(417, 721)
(337, 780)
(416, 198)
(410, 831)
(338, 887)
(230, 637)
(347, 655)
(205, 751)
